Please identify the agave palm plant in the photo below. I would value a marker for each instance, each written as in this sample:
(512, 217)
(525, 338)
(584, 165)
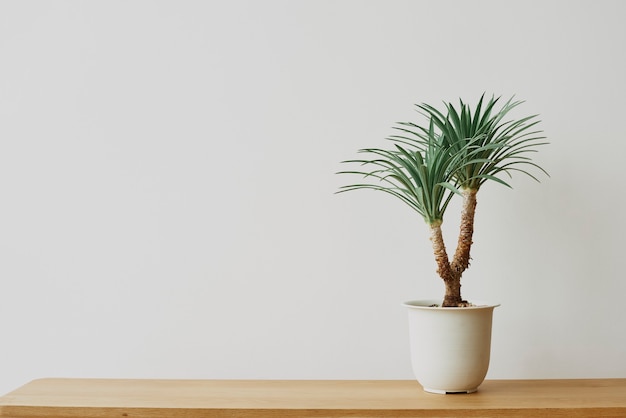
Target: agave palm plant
(454, 153)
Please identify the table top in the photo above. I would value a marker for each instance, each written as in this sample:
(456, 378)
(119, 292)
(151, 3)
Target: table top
(88, 398)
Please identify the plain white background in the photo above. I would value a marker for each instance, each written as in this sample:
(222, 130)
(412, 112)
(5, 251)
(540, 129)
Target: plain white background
(167, 205)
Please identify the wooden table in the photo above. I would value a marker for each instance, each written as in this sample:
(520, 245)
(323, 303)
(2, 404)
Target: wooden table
(88, 398)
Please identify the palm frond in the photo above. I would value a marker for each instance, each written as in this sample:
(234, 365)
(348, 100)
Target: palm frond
(459, 148)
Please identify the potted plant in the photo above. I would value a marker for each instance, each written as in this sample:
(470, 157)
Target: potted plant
(454, 153)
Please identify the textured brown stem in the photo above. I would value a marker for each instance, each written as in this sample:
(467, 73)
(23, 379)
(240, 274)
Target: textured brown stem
(453, 293)
(451, 272)
(451, 280)
(461, 260)
(441, 256)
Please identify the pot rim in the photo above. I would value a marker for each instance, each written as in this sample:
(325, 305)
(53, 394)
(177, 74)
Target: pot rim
(427, 304)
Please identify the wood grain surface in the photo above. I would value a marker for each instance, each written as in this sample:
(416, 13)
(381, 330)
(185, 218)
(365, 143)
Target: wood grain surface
(91, 398)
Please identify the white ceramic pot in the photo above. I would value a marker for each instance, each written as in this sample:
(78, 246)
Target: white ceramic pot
(450, 347)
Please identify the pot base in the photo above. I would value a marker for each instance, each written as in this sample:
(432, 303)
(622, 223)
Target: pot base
(445, 392)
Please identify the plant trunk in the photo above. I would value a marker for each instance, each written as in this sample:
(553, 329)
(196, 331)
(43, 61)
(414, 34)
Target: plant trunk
(451, 272)
(452, 298)
(462, 258)
(452, 281)
(439, 248)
